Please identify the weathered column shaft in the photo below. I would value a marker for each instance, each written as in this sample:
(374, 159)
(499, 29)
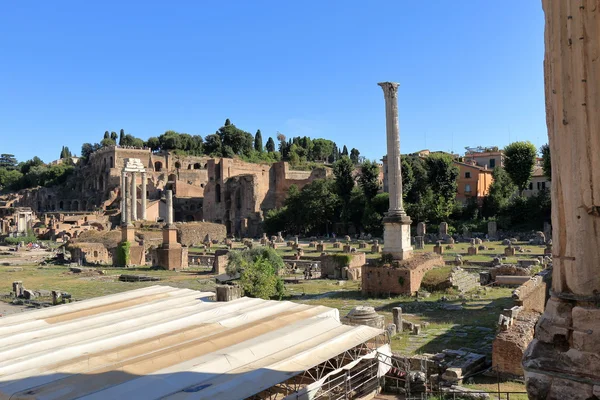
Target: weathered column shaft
(133, 197)
(143, 196)
(562, 360)
(123, 197)
(390, 91)
(169, 198)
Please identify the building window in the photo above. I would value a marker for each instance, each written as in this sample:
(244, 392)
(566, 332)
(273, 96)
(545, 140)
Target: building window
(218, 193)
(467, 175)
(467, 188)
(492, 163)
(177, 165)
(158, 166)
(197, 166)
(543, 185)
(530, 185)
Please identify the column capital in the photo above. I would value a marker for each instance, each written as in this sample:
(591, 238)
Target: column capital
(389, 88)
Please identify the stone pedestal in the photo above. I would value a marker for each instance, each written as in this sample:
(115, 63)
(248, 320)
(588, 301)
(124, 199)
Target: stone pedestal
(396, 237)
(472, 251)
(438, 248)
(509, 251)
(128, 234)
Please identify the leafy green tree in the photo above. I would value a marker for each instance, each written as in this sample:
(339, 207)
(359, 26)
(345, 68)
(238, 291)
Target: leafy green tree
(368, 179)
(8, 161)
(153, 143)
(354, 155)
(345, 151)
(121, 137)
(414, 178)
(322, 149)
(442, 174)
(240, 142)
(106, 135)
(546, 161)
(258, 270)
(258, 142)
(319, 206)
(213, 146)
(500, 193)
(87, 149)
(270, 145)
(114, 136)
(519, 160)
(356, 208)
(27, 165)
(106, 142)
(9, 178)
(344, 181)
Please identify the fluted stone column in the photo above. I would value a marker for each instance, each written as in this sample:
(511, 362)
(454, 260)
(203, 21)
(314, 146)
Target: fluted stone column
(143, 196)
(563, 360)
(396, 234)
(123, 197)
(133, 197)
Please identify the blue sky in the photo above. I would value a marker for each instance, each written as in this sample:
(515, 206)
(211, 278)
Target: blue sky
(470, 72)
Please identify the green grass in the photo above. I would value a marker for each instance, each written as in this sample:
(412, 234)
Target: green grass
(436, 276)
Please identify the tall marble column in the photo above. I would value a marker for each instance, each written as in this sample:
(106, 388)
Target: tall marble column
(133, 197)
(143, 196)
(396, 235)
(563, 360)
(169, 198)
(123, 197)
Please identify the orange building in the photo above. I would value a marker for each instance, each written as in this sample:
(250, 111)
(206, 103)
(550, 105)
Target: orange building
(473, 181)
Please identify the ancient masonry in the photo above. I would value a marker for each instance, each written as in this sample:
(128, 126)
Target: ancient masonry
(396, 235)
(563, 360)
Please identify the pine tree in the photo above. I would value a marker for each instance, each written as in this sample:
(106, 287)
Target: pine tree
(106, 135)
(121, 137)
(344, 151)
(227, 122)
(114, 136)
(62, 153)
(258, 142)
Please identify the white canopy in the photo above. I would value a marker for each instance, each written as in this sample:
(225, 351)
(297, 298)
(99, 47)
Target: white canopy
(164, 342)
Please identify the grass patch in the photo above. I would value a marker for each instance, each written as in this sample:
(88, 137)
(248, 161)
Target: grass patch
(437, 276)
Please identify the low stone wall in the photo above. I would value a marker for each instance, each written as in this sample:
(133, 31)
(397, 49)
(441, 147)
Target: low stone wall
(509, 345)
(463, 281)
(195, 233)
(532, 295)
(333, 265)
(402, 277)
(509, 269)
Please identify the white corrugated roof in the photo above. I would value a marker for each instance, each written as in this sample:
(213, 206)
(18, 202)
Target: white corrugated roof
(164, 342)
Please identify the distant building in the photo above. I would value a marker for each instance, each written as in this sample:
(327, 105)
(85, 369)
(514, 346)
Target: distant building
(473, 181)
(491, 158)
(539, 182)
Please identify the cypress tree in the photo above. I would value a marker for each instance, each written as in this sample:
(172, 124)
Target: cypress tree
(258, 143)
(270, 145)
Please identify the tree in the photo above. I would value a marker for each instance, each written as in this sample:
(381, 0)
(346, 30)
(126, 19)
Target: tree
(369, 179)
(87, 149)
(519, 160)
(106, 135)
(153, 143)
(114, 136)
(270, 145)
(322, 149)
(8, 161)
(258, 270)
(345, 151)
(258, 142)
(121, 136)
(106, 142)
(213, 146)
(238, 141)
(354, 154)
(9, 178)
(344, 181)
(501, 191)
(27, 165)
(546, 161)
(442, 174)
(333, 157)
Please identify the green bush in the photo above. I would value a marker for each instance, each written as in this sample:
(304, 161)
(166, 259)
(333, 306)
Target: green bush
(123, 254)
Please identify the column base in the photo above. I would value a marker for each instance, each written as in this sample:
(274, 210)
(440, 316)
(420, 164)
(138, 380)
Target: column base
(396, 237)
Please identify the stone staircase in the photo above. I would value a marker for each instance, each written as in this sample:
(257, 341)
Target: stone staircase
(463, 281)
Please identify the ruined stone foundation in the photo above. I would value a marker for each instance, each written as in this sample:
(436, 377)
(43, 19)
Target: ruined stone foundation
(563, 360)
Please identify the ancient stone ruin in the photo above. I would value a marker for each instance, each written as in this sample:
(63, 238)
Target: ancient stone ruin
(562, 361)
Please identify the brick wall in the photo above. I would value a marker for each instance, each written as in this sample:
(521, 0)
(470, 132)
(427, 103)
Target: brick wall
(195, 232)
(509, 345)
(403, 279)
